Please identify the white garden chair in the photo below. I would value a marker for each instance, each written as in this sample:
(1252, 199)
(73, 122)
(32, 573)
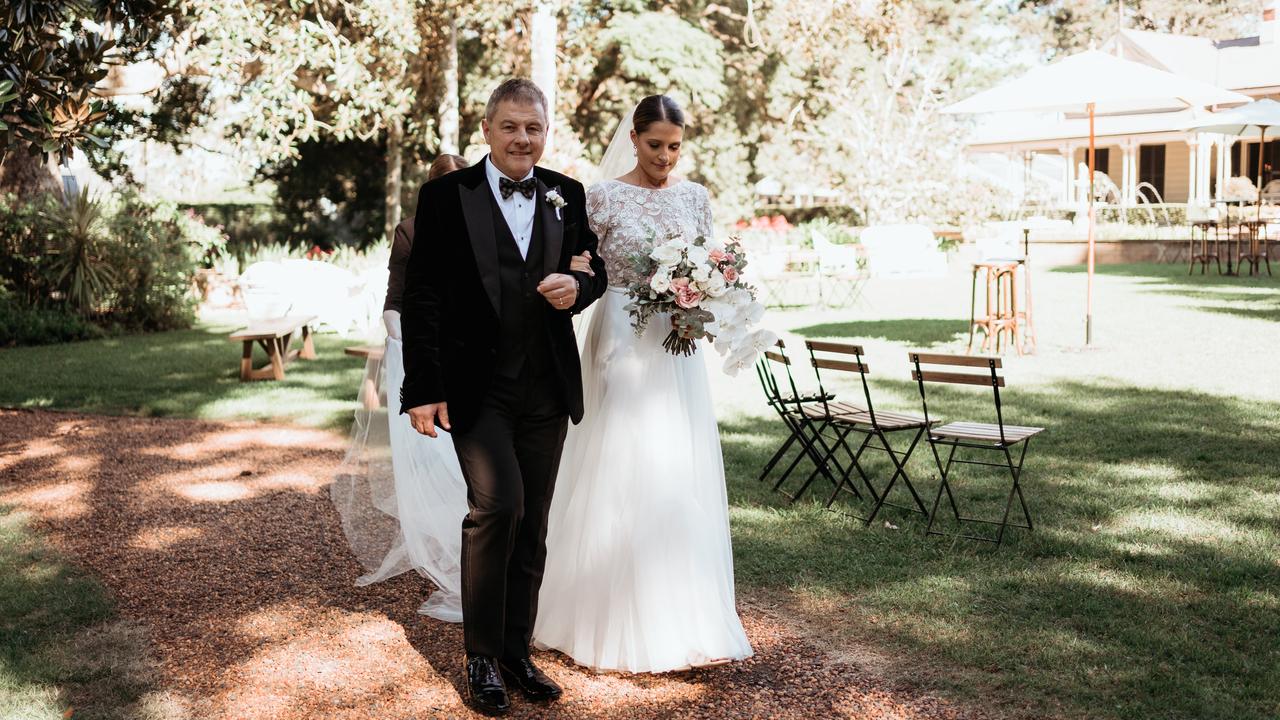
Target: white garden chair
(840, 272)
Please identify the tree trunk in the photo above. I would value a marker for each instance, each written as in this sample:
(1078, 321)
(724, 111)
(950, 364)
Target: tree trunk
(27, 175)
(449, 104)
(543, 33)
(395, 148)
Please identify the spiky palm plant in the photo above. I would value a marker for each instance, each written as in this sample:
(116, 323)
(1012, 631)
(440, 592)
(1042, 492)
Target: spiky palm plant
(82, 273)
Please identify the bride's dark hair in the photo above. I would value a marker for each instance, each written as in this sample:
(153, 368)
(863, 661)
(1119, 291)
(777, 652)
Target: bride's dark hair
(657, 108)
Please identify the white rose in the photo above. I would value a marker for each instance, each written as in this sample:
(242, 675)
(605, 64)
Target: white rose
(701, 274)
(698, 255)
(661, 282)
(666, 255)
(716, 286)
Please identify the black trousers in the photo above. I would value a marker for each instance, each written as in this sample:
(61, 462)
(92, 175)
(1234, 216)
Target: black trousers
(509, 459)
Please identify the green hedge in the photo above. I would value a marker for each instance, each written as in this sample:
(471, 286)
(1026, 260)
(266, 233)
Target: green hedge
(88, 266)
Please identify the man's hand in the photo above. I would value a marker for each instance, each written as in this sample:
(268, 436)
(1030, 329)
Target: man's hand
(423, 418)
(560, 290)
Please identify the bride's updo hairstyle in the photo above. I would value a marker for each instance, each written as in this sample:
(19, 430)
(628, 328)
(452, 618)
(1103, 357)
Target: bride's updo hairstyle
(656, 108)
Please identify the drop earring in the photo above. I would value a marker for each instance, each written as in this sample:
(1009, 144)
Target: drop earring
(633, 150)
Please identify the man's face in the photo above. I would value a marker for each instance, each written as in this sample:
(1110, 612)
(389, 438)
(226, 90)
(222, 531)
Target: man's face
(516, 134)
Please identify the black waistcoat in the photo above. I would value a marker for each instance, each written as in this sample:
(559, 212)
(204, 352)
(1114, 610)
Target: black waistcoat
(523, 338)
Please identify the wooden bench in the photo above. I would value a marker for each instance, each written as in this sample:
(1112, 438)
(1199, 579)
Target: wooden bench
(370, 395)
(274, 336)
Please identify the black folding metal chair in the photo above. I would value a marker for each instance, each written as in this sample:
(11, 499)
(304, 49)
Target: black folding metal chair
(998, 438)
(843, 420)
(802, 428)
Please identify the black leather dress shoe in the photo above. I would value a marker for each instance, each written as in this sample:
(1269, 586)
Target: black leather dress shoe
(485, 689)
(531, 681)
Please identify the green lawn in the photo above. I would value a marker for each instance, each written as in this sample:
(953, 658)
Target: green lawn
(189, 373)
(59, 648)
(1151, 585)
(1149, 589)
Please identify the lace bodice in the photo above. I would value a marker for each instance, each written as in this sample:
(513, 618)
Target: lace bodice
(630, 220)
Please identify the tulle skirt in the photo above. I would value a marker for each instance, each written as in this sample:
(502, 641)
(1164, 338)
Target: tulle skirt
(639, 573)
(401, 495)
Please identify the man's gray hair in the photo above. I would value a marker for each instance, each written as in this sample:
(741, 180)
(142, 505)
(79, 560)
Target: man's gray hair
(519, 90)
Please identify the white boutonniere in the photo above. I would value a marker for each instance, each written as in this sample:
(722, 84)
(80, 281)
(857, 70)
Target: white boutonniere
(556, 200)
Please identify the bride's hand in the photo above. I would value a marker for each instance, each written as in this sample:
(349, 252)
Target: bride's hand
(582, 263)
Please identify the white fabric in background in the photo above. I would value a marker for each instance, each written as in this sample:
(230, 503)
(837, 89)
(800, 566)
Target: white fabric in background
(402, 497)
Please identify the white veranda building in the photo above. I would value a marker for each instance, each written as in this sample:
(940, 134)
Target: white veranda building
(1148, 156)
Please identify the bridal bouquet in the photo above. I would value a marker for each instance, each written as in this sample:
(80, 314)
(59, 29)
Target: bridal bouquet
(700, 284)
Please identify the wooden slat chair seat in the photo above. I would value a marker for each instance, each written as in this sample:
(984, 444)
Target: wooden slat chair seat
(998, 437)
(845, 419)
(984, 432)
(853, 414)
(834, 409)
(792, 410)
(274, 336)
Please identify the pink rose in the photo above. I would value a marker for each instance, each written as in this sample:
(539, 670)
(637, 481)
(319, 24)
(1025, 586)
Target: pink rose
(718, 256)
(686, 296)
(731, 275)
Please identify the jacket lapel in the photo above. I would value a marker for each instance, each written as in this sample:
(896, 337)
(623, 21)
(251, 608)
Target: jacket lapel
(478, 213)
(552, 230)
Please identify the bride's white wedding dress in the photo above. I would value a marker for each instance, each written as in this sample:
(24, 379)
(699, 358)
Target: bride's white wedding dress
(639, 573)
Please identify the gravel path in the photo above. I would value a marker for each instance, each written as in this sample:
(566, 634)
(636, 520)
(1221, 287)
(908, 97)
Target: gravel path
(220, 539)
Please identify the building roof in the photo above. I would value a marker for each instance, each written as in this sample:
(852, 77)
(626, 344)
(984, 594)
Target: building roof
(1028, 128)
(1247, 64)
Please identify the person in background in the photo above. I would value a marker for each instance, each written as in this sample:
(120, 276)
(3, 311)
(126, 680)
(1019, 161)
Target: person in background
(402, 243)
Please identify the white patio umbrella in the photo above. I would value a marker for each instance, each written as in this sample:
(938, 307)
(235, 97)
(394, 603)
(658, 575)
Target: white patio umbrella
(1257, 116)
(1094, 82)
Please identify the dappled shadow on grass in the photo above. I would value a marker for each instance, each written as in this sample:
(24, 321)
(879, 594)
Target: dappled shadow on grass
(56, 650)
(1250, 297)
(1158, 520)
(1251, 305)
(923, 332)
(185, 373)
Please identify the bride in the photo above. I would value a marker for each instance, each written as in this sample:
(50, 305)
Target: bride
(639, 571)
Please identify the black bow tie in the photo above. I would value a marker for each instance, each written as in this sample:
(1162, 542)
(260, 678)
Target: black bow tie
(525, 187)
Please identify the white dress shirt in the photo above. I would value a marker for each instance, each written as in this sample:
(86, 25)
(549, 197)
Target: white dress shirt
(517, 209)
